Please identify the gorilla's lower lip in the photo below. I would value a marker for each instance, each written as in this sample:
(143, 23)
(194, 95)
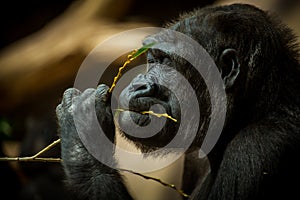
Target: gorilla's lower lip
(136, 117)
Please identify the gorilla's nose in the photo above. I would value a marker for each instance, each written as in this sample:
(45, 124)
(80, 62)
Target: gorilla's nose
(141, 87)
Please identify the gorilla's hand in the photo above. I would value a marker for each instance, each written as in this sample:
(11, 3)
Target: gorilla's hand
(89, 178)
(80, 108)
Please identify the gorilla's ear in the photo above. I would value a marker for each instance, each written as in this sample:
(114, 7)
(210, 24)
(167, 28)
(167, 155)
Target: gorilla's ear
(230, 67)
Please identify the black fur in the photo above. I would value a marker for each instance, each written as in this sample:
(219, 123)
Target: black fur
(257, 154)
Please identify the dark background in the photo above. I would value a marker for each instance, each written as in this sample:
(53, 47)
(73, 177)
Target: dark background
(29, 95)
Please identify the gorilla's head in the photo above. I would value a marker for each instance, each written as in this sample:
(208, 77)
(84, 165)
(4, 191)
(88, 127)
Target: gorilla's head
(237, 46)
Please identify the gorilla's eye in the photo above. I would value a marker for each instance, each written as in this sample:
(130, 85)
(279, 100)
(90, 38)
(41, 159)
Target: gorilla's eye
(157, 56)
(166, 61)
(150, 58)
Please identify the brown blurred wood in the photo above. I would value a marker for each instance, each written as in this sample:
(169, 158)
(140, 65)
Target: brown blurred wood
(46, 62)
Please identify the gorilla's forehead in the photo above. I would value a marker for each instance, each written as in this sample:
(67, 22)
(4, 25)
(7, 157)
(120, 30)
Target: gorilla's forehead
(173, 43)
(187, 26)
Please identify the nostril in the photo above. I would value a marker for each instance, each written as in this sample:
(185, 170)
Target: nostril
(143, 89)
(139, 86)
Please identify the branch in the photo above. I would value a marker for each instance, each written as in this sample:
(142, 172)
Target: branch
(172, 186)
(35, 158)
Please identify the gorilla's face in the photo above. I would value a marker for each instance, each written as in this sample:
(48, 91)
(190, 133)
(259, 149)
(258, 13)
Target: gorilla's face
(150, 92)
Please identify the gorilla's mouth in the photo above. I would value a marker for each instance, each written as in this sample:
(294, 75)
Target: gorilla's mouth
(138, 110)
(147, 131)
(146, 114)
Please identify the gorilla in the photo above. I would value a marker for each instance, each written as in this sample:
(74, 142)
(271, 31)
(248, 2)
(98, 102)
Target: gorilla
(255, 156)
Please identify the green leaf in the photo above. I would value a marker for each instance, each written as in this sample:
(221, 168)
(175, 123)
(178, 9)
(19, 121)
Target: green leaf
(142, 50)
(5, 129)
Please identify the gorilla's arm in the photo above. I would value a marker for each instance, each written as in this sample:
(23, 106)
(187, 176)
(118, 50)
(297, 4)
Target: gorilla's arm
(86, 176)
(250, 163)
(240, 173)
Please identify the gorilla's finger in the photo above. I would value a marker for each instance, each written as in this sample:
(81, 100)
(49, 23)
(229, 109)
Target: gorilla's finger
(87, 94)
(102, 93)
(58, 110)
(69, 94)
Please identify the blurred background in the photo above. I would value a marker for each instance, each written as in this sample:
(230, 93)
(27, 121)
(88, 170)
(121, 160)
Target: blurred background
(42, 44)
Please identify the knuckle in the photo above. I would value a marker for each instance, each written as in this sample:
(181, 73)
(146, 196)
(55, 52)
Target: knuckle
(103, 86)
(87, 93)
(102, 92)
(58, 109)
(87, 98)
(68, 95)
(71, 92)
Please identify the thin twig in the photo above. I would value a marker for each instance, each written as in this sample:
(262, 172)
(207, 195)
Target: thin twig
(35, 158)
(30, 159)
(157, 180)
(133, 55)
(116, 78)
(47, 148)
(150, 112)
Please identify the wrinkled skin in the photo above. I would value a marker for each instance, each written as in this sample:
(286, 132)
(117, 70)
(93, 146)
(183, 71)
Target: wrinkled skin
(256, 155)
